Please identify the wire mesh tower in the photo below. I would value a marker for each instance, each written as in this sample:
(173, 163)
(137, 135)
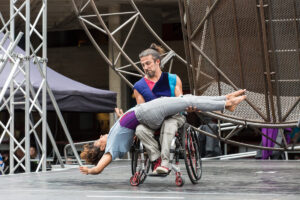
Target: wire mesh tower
(252, 44)
(18, 92)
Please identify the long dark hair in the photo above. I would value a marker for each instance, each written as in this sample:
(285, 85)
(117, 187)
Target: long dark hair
(157, 48)
(91, 154)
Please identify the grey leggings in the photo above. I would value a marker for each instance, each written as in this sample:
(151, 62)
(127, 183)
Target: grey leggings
(154, 112)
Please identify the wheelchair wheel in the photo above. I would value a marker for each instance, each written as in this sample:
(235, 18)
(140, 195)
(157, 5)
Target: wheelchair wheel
(197, 170)
(136, 165)
(191, 154)
(135, 180)
(179, 180)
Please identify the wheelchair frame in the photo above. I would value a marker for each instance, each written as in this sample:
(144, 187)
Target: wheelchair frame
(185, 144)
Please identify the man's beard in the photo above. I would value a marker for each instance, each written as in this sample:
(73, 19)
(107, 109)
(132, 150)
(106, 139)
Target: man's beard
(150, 73)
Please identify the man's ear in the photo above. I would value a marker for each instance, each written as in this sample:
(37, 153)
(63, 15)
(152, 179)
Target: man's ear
(157, 61)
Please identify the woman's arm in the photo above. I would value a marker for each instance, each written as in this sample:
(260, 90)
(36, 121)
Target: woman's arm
(103, 162)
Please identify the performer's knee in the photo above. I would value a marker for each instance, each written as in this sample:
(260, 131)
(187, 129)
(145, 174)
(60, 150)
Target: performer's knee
(138, 131)
(170, 129)
(141, 131)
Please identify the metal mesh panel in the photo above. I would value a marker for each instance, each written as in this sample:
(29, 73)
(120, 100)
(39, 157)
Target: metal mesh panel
(226, 40)
(244, 111)
(195, 7)
(233, 39)
(284, 29)
(250, 46)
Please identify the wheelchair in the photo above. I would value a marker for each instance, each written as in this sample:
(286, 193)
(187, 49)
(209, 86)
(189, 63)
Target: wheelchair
(185, 145)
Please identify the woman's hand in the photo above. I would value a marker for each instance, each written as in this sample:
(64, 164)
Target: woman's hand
(119, 112)
(103, 162)
(84, 170)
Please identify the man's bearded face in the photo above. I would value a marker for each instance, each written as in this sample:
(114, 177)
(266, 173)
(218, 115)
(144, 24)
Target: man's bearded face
(149, 65)
(150, 73)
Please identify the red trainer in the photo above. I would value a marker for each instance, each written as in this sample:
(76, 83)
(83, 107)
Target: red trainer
(162, 170)
(155, 165)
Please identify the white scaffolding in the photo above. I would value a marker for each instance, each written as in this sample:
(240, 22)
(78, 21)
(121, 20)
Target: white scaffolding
(19, 93)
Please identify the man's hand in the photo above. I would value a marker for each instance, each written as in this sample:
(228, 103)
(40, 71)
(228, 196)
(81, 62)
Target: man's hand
(84, 170)
(192, 109)
(119, 112)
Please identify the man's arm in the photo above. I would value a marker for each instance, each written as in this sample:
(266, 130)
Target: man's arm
(138, 97)
(178, 87)
(178, 92)
(103, 162)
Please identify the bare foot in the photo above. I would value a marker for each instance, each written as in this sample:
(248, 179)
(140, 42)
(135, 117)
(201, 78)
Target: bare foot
(235, 94)
(234, 102)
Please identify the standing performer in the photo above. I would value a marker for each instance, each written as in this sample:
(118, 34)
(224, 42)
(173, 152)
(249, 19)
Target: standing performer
(152, 114)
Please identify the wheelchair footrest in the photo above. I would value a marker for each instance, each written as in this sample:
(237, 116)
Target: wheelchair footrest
(158, 175)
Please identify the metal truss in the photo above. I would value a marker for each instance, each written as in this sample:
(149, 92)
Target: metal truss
(242, 49)
(90, 17)
(228, 131)
(205, 35)
(18, 91)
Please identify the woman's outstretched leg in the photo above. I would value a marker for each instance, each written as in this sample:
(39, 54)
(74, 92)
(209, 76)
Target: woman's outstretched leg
(229, 101)
(226, 97)
(232, 103)
(218, 98)
(154, 112)
(235, 94)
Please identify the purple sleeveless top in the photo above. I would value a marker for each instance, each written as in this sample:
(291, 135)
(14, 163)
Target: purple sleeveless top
(164, 87)
(129, 120)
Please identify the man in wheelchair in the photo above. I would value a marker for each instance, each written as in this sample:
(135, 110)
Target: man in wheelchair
(159, 154)
(153, 85)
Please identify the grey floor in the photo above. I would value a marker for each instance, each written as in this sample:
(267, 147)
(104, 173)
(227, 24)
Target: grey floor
(242, 179)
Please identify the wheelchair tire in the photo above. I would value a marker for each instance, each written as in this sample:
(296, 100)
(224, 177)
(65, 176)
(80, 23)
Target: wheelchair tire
(197, 169)
(191, 154)
(135, 156)
(135, 180)
(179, 181)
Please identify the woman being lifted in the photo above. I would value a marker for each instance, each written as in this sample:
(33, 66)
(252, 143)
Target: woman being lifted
(120, 137)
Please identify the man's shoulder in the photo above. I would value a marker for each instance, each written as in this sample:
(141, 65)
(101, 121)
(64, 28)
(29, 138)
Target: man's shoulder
(172, 75)
(172, 78)
(141, 81)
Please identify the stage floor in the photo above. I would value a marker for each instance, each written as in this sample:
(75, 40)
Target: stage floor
(232, 180)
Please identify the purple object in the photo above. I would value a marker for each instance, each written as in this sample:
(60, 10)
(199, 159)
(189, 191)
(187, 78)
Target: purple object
(129, 120)
(271, 133)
